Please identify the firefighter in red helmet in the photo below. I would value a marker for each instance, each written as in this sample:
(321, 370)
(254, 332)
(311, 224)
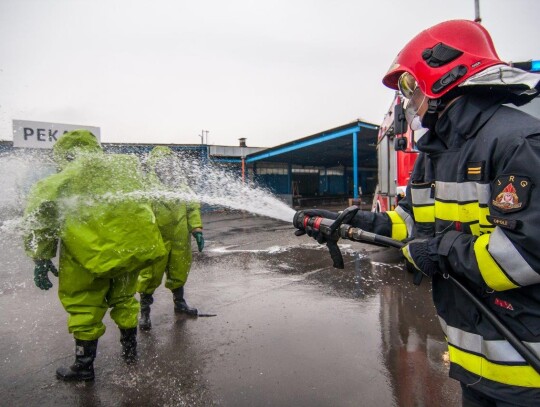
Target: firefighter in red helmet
(459, 210)
(472, 205)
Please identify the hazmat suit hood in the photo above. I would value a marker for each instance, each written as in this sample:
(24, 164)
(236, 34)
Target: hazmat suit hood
(165, 167)
(74, 144)
(158, 153)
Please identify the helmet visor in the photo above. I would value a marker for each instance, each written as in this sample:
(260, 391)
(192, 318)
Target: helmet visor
(407, 85)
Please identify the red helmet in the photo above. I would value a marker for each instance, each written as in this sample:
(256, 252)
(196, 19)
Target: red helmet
(443, 56)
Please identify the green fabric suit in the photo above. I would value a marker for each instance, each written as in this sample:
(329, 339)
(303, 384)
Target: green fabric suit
(106, 234)
(176, 220)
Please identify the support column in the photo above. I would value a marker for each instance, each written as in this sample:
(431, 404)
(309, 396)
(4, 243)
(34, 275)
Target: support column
(355, 164)
(345, 181)
(325, 187)
(289, 178)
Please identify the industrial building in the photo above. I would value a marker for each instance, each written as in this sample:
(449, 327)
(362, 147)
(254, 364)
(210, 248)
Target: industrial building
(333, 166)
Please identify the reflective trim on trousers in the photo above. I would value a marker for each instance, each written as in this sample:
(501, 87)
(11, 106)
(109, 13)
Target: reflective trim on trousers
(522, 375)
(471, 352)
(494, 350)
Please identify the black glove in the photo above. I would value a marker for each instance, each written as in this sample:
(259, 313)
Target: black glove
(319, 237)
(41, 270)
(422, 255)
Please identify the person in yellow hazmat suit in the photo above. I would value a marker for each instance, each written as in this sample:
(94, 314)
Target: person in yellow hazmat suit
(92, 208)
(178, 220)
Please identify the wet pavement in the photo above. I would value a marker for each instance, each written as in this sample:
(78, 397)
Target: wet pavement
(290, 331)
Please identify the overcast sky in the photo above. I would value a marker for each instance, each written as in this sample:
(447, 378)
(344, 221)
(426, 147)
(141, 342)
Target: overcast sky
(272, 71)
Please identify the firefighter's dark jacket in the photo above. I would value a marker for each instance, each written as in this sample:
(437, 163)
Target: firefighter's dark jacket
(477, 182)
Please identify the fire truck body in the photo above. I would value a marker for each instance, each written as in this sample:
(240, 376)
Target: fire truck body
(395, 166)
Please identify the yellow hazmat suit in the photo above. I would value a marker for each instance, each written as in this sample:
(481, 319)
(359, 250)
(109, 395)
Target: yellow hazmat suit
(177, 219)
(106, 232)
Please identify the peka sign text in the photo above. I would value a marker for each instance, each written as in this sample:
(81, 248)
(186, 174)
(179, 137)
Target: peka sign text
(32, 134)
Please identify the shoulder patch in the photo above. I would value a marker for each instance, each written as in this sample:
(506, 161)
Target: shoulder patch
(510, 193)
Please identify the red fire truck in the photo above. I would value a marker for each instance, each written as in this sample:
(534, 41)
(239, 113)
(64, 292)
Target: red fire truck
(396, 156)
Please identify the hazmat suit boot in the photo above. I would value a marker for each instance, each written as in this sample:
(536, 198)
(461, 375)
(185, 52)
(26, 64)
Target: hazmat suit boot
(83, 368)
(180, 304)
(128, 339)
(144, 320)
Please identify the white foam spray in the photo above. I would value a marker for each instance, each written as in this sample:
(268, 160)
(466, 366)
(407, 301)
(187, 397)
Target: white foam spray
(208, 183)
(19, 170)
(218, 186)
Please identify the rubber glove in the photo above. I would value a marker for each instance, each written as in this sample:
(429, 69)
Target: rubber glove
(200, 240)
(41, 270)
(422, 255)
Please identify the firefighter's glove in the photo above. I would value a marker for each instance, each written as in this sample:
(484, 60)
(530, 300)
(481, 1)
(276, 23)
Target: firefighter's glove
(421, 255)
(41, 271)
(199, 239)
(319, 237)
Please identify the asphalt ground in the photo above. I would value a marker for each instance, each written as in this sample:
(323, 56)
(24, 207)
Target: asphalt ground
(290, 330)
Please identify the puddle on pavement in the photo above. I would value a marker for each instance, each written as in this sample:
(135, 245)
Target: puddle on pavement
(412, 347)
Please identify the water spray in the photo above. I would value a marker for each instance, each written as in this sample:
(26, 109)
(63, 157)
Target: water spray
(208, 184)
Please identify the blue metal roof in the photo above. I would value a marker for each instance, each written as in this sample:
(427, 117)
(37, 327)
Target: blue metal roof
(330, 147)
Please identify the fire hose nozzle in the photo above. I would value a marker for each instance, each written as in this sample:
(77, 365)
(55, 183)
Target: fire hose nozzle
(329, 228)
(298, 220)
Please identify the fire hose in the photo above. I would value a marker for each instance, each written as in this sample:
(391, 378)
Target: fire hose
(333, 230)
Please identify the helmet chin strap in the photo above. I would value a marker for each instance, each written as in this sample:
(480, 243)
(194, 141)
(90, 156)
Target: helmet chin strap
(435, 106)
